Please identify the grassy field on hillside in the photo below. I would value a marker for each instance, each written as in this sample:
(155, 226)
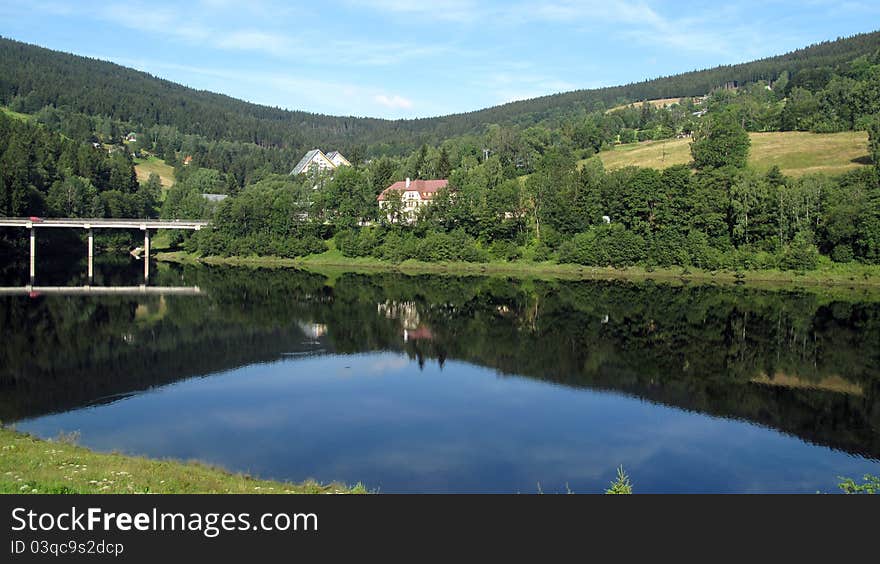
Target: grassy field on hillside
(796, 153)
(149, 165)
(16, 115)
(659, 103)
(32, 465)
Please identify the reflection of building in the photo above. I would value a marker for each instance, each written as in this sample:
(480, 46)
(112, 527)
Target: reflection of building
(312, 330)
(408, 315)
(406, 312)
(421, 333)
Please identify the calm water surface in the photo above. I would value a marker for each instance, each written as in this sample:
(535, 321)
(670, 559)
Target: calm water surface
(437, 384)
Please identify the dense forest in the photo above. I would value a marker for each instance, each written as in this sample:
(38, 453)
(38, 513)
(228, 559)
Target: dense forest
(524, 182)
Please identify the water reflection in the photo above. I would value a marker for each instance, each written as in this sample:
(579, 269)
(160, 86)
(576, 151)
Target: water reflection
(463, 384)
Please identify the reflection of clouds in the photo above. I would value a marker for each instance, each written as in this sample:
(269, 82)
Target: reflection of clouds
(463, 429)
(385, 364)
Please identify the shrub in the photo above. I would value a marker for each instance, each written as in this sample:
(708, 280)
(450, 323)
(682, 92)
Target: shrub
(842, 253)
(438, 246)
(669, 248)
(504, 250)
(604, 245)
(397, 248)
(537, 251)
(801, 254)
(621, 485)
(871, 485)
(357, 242)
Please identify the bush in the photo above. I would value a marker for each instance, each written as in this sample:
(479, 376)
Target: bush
(357, 242)
(438, 246)
(842, 253)
(708, 257)
(622, 485)
(669, 248)
(214, 243)
(871, 485)
(801, 254)
(291, 247)
(397, 248)
(604, 245)
(504, 250)
(537, 251)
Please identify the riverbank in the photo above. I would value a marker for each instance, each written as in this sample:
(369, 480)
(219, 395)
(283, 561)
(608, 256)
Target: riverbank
(32, 465)
(828, 274)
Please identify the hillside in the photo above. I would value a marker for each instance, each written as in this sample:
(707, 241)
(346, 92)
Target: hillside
(32, 77)
(661, 103)
(144, 167)
(795, 153)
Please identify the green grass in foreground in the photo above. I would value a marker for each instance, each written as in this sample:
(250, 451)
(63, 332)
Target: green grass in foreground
(795, 152)
(32, 465)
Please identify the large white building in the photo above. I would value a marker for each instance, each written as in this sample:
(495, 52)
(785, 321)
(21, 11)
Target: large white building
(337, 159)
(316, 161)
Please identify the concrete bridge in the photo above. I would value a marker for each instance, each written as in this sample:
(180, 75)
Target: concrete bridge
(34, 291)
(145, 225)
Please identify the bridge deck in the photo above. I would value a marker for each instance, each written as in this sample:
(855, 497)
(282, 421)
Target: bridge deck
(100, 223)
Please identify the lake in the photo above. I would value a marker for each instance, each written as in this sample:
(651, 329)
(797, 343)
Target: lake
(454, 384)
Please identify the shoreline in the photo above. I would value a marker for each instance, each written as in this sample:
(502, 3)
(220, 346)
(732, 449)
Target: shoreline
(865, 277)
(29, 464)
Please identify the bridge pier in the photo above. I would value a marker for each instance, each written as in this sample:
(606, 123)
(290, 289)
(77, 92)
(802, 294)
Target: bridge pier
(33, 270)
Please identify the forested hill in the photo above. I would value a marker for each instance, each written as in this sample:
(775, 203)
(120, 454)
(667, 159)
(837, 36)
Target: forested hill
(32, 77)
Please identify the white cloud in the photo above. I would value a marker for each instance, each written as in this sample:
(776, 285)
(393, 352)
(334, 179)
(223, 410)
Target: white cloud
(155, 20)
(303, 46)
(461, 11)
(521, 84)
(287, 91)
(393, 102)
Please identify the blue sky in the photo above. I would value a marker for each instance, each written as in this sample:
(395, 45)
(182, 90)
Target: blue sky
(413, 58)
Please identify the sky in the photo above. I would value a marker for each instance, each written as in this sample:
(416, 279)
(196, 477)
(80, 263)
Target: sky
(415, 58)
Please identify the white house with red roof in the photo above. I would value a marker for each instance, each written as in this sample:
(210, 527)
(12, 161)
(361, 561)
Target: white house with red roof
(414, 194)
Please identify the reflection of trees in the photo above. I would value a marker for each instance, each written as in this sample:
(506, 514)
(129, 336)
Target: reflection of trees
(798, 362)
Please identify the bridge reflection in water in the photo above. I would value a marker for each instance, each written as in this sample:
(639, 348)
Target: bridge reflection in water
(35, 291)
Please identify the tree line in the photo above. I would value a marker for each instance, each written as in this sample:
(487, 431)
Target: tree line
(715, 214)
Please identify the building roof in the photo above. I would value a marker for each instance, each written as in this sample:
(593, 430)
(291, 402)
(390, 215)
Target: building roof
(304, 162)
(336, 154)
(427, 188)
(215, 197)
